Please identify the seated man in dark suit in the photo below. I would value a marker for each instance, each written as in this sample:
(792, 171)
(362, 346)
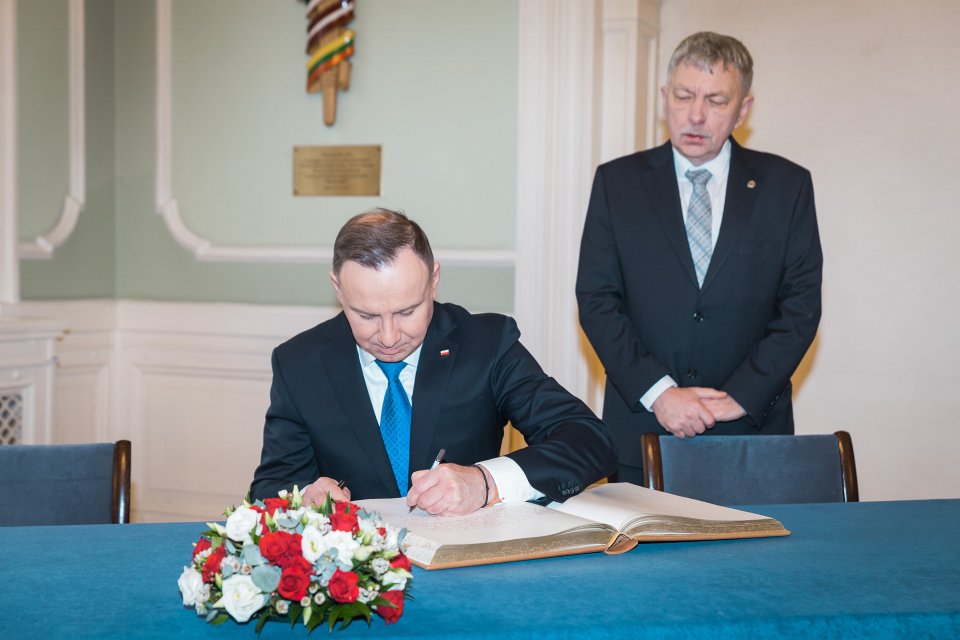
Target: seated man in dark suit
(371, 396)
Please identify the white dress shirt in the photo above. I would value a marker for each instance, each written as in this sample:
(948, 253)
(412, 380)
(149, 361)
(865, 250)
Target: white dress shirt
(719, 169)
(511, 481)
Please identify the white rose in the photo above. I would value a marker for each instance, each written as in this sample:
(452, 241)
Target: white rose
(240, 523)
(241, 598)
(314, 544)
(191, 586)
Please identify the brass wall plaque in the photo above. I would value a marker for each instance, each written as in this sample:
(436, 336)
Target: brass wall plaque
(336, 171)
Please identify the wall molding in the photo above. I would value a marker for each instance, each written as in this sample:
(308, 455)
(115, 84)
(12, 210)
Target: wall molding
(187, 383)
(204, 249)
(558, 96)
(584, 96)
(9, 265)
(44, 245)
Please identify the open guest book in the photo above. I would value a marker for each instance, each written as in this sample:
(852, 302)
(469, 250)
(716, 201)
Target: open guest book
(611, 518)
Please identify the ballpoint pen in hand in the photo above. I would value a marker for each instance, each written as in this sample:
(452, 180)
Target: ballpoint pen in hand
(436, 463)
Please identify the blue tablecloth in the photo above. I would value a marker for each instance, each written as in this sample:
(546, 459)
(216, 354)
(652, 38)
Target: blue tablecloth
(879, 570)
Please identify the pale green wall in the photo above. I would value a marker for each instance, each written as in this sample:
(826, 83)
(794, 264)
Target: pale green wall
(43, 163)
(434, 82)
(84, 266)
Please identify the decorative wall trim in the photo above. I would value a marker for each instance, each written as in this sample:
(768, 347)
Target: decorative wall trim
(187, 383)
(9, 266)
(202, 248)
(558, 95)
(585, 83)
(44, 245)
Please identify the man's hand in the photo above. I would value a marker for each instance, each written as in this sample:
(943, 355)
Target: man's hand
(317, 492)
(682, 410)
(449, 490)
(724, 409)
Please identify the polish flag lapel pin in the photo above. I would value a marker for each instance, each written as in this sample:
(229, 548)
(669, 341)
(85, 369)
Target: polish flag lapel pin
(444, 353)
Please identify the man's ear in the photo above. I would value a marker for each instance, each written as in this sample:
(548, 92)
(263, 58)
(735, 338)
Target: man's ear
(744, 110)
(435, 279)
(336, 285)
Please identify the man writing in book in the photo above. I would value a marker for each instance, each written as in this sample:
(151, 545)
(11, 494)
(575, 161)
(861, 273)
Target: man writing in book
(700, 267)
(369, 397)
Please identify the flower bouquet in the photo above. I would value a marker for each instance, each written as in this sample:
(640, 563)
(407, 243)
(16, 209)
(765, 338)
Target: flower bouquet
(280, 559)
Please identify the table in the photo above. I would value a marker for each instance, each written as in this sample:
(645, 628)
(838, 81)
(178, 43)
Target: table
(872, 569)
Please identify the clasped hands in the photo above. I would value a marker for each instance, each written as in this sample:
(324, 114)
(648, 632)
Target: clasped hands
(447, 490)
(689, 411)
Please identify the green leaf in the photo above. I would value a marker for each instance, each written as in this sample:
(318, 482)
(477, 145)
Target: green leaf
(262, 620)
(220, 619)
(295, 611)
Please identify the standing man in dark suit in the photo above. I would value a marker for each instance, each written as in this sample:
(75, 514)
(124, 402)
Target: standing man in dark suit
(700, 267)
(370, 396)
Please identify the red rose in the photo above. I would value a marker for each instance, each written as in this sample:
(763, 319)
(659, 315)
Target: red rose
(294, 582)
(202, 545)
(272, 504)
(274, 546)
(388, 613)
(400, 562)
(299, 561)
(212, 565)
(295, 546)
(344, 517)
(343, 586)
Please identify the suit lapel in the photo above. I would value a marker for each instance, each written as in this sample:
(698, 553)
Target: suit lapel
(342, 364)
(742, 186)
(661, 183)
(437, 358)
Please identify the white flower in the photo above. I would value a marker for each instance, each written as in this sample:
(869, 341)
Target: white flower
(319, 598)
(316, 520)
(240, 523)
(366, 595)
(289, 520)
(380, 565)
(241, 598)
(368, 525)
(398, 581)
(391, 541)
(363, 554)
(305, 601)
(282, 607)
(191, 586)
(314, 544)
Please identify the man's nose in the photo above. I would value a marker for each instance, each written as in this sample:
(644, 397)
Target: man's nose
(698, 112)
(389, 332)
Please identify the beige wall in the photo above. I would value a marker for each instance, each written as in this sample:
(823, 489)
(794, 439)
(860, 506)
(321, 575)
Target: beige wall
(864, 94)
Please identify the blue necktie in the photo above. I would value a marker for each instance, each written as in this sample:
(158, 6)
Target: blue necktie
(395, 423)
(699, 222)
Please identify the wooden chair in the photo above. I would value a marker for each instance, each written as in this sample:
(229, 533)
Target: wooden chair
(731, 470)
(65, 484)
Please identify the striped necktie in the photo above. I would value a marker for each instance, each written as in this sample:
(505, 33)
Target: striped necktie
(699, 222)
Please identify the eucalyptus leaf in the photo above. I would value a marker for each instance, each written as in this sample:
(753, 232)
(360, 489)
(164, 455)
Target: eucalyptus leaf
(266, 577)
(231, 549)
(251, 555)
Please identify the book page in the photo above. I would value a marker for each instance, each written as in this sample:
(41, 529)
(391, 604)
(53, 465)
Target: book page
(616, 504)
(494, 524)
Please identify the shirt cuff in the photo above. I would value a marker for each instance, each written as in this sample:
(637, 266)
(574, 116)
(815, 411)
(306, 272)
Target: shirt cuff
(511, 481)
(664, 383)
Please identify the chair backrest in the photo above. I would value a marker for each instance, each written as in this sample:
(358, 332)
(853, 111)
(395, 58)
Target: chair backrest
(732, 470)
(65, 484)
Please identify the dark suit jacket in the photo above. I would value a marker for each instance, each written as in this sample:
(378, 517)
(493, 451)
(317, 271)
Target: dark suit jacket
(321, 421)
(744, 332)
